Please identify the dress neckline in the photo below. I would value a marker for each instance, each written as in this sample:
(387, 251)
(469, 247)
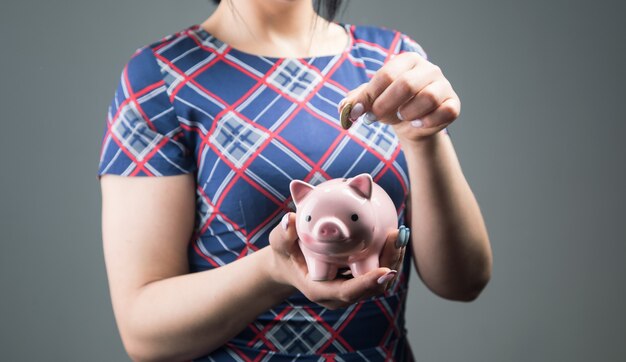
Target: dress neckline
(200, 30)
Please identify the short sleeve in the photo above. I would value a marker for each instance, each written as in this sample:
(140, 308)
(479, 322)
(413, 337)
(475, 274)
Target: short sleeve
(142, 135)
(408, 44)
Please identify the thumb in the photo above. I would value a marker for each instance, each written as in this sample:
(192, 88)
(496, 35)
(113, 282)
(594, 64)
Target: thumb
(393, 250)
(367, 285)
(359, 102)
(284, 236)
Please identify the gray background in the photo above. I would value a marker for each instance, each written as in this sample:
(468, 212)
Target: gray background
(539, 140)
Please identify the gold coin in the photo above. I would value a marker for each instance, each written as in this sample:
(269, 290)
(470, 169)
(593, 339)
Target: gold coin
(344, 117)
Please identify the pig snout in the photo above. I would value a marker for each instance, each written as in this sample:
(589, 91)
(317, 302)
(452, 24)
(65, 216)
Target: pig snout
(330, 230)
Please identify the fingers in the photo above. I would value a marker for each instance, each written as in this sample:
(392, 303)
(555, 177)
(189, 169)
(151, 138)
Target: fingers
(382, 79)
(340, 293)
(407, 88)
(393, 251)
(447, 112)
(390, 255)
(350, 97)
(363, 97)
(284, 236)
(374, 284)
(429, 98)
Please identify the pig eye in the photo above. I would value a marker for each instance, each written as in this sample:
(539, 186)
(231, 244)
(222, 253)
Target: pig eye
(354, 217)
(307, 218)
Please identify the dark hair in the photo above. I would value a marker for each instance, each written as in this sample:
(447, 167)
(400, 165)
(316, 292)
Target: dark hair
(331, 7)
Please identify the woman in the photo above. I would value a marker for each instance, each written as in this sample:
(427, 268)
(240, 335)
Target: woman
(200, 265)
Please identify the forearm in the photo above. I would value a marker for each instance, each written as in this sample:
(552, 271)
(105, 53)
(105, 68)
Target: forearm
(448, 234)
(186, 316)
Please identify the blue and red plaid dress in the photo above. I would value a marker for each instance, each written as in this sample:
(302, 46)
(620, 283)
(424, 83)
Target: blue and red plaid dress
(246, 125)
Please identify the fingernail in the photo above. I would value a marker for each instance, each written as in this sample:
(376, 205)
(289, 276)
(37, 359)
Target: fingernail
(369, 118)
(399, 116)
(285, 221)
(403, 236)
(417, 123)
(357, 111)
(340, 105)
(387, 277)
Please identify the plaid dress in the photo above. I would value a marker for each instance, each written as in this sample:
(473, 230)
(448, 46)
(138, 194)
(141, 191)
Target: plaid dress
(245, 126)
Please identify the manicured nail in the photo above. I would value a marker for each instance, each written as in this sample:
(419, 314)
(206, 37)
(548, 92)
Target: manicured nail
(387, 277)
(369, 118)
(285, 221)
(357, 111)
(403, 236)
(399, 116)
(417, 123)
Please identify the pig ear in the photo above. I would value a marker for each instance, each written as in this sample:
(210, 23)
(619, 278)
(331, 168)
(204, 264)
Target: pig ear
(299, 189)
(362, 184)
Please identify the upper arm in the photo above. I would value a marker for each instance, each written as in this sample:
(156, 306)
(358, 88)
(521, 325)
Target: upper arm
(147, 177)
(146, 226)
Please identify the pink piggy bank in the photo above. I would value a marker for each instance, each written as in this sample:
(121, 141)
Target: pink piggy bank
(342, 222)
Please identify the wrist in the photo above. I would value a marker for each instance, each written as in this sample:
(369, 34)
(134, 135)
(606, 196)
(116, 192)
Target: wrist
(422, 144)
(270, 271)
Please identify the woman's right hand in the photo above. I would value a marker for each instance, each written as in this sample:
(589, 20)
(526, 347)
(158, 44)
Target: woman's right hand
(288, 267)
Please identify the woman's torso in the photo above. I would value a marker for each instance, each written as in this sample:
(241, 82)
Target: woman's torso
(255, 123)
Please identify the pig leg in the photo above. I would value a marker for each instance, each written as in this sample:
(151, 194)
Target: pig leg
(363, 266)
(320, 270)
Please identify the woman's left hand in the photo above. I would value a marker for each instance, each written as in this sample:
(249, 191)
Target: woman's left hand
(408, 92)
